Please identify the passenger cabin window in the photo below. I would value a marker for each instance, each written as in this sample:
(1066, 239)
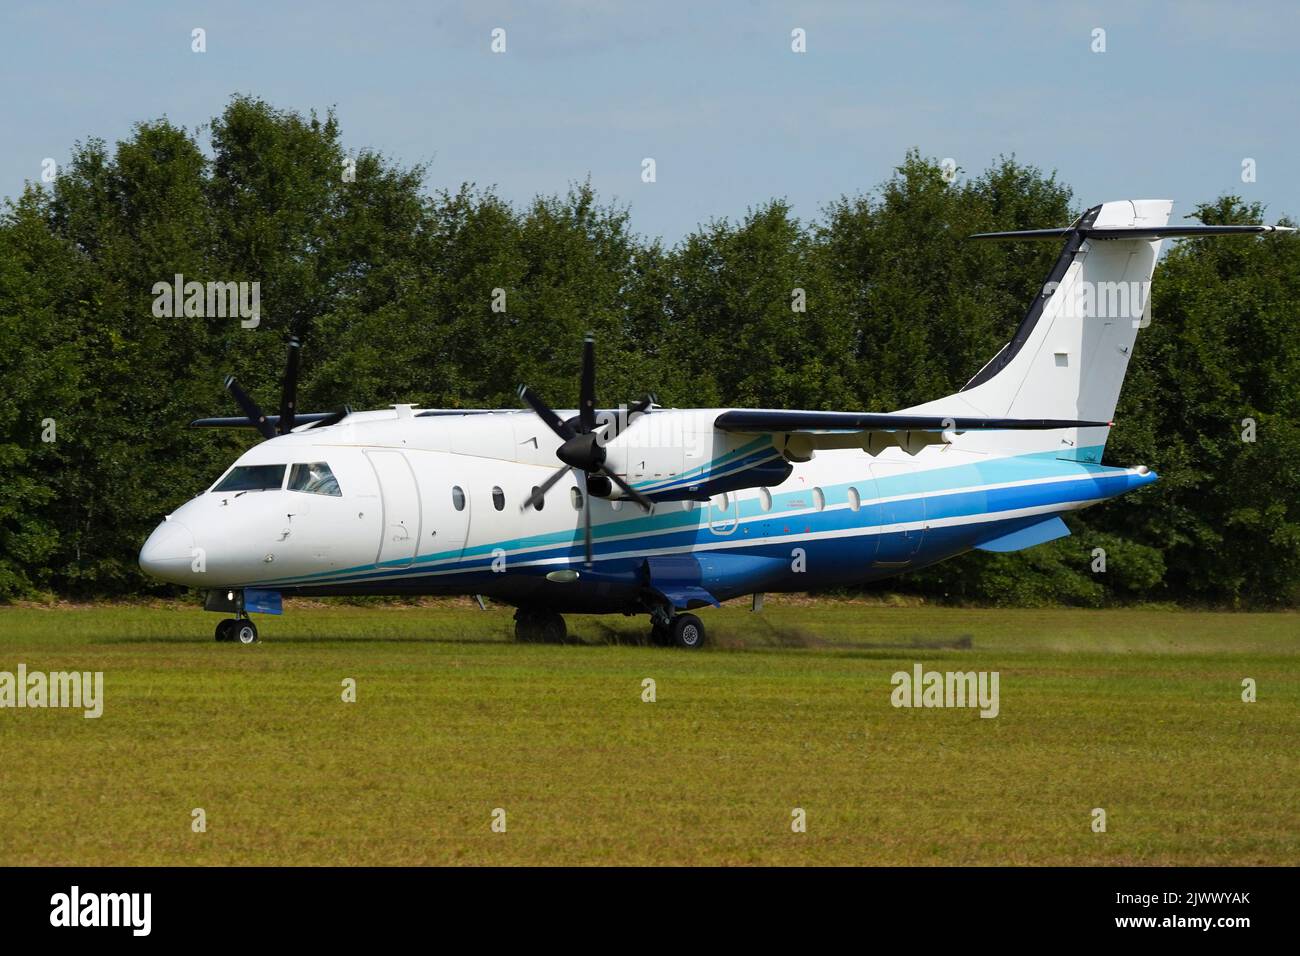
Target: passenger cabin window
(253, 478)
(540, 502)
(498, 499)
(315, 478)
(765, 499)
(458, 497)
(819, 499)
(576, 497)
(855, 500)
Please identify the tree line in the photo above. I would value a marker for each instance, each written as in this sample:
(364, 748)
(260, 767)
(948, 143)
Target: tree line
(451, 298)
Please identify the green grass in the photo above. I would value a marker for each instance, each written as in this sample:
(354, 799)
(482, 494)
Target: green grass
(1137, 712)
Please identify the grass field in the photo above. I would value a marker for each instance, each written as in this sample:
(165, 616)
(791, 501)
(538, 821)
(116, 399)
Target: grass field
(1136, 712)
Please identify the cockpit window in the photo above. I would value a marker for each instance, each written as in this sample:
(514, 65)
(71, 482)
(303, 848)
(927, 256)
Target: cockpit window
(253, 478)
(314, 478)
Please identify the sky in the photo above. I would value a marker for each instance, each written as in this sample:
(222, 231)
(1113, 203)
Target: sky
(1182, 95)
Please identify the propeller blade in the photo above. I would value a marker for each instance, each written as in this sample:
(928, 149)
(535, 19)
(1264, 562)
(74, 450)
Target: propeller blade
(535, 499)
(250, 408)
(587, 388)
(553, 421)
(586, 514)
(335, 417)
(289, 387)
(628, 490)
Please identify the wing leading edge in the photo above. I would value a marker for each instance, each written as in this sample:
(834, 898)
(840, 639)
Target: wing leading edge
(774, 420)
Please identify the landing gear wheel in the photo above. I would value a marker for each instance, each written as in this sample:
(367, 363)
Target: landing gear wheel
(540, 627)
(226, 630)
(245, 632)
(553, 628)
(687, 631)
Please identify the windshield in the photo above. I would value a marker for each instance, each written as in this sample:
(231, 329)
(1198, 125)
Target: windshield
(314, 478)
(253, 478)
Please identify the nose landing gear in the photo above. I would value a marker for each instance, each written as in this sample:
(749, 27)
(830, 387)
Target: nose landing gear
(239, 601)
(237, 629)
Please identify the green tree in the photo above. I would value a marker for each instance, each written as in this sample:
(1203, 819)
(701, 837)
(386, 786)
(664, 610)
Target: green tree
(451, 299)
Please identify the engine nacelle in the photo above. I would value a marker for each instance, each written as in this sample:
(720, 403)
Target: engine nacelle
(678, 455)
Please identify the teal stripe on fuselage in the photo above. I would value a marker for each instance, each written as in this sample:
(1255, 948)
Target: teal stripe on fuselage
(758, 449)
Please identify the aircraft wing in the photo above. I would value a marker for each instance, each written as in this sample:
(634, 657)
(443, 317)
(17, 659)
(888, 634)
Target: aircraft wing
(800, 433)
(242, 421)
(757, 420)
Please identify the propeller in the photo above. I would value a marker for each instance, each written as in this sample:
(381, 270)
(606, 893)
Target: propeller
(582, 449)
(289, 387)
(250, 408)
(288, 417)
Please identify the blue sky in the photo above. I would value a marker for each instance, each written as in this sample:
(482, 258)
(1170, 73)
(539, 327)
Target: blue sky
(711, 91)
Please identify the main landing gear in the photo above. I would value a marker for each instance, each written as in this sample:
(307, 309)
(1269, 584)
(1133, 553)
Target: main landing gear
(539, 627)
(534, 626)
(676, 630)
(239, 629)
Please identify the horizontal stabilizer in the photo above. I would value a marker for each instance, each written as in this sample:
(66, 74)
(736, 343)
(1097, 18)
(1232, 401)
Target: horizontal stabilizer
(1133, 232)
(774, 420)
(1040, 533)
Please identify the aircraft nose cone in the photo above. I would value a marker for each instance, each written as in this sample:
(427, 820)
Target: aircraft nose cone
(168, 552)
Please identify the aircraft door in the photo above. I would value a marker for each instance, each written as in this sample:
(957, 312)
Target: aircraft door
(401, 499)
(900, 516)
(446, 514)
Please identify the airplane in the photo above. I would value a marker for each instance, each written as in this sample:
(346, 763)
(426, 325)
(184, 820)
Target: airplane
(663, 511)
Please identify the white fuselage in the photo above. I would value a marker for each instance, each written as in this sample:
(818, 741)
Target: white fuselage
(434, 505)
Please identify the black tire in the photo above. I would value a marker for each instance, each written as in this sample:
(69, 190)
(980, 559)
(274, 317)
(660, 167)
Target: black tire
(540, 627)
(552, 628)
(245, 632)
(526, 629)
(687, 632)
(226, 630)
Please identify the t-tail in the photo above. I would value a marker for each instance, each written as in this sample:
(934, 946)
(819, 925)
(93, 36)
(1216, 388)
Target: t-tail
(1068, 356)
